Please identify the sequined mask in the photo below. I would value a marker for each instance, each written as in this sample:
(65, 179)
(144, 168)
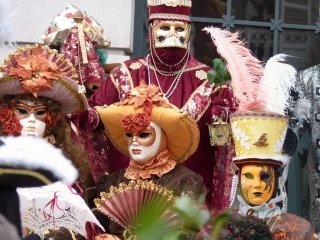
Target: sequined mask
(257, 183)
(171, 34)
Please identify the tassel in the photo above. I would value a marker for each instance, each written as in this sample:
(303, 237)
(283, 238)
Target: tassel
(91, 230)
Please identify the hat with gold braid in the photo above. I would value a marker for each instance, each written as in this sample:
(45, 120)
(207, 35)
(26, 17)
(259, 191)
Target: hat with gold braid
(41, 71)
(178, 10)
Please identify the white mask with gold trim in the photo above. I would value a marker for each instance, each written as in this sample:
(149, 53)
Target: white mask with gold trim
(168, 33)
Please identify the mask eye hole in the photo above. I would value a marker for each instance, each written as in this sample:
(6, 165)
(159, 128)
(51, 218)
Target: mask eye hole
(40, 113)
(248, 175)
(165, 28)
(264, 177)
(179, 29)
(144, 135)
(21, 111)
(128, 135)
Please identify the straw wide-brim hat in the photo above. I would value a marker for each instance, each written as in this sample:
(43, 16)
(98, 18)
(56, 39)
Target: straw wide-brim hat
(65, 89)
(181, 130)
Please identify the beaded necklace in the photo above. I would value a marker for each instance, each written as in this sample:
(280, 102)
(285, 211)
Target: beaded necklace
(174, 84)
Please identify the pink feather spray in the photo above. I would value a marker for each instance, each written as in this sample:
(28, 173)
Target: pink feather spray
(245, 70)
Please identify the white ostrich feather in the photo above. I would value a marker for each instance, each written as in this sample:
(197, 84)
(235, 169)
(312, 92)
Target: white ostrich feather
(34, 153)
(6, 33)
(276, 83)
(302, 109)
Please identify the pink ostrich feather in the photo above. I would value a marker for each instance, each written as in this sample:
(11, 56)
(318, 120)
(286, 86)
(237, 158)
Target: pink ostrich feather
(245, 70)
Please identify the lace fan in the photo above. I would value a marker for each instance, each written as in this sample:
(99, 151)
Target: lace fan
(130, 204)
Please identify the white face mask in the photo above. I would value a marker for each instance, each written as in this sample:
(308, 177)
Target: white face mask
(146, 145)
(32, 118)
(171, 34)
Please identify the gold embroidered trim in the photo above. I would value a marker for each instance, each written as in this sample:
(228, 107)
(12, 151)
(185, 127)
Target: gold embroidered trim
(95, 111)
(31, 173)
(191, 98)
(135, 185)
(263, 115)
(135, 66)
(73, 91)
(99, 109)
(169, 16)
(202, 75)
(170, 3)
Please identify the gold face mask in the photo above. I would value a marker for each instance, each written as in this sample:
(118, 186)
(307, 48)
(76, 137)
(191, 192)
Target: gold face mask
(257, 183)
(171, 34)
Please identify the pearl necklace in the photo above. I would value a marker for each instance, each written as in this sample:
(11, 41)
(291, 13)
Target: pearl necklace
(174, 84)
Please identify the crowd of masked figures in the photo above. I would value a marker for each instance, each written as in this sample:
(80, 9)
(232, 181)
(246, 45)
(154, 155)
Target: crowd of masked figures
(157, 147)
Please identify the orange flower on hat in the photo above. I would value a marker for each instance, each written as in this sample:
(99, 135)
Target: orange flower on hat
(145, 96)
(35, 71)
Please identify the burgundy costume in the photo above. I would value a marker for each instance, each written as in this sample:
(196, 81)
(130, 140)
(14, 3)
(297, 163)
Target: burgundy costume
(192, 93)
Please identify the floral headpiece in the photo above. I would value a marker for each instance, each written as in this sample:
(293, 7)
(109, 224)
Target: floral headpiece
(43, 72)
(144, 96)
(35, 71)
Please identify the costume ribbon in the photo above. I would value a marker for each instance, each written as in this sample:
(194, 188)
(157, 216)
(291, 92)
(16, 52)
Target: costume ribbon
(52, 204)
(74, 191)
(82, 44)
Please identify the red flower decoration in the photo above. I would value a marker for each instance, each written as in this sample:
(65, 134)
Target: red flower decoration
(135, 124)
(6, 114)
(51, 121)
(88, 20)
(126, 122)
(280, 234)
(68, 15)
(10, 124)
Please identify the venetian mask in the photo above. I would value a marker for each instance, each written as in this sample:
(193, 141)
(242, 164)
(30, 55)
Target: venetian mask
(32, 118)
(147, 144)
(168, 33)
(257, 183)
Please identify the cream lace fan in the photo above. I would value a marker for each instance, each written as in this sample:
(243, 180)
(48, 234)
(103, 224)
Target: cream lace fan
(130, 205)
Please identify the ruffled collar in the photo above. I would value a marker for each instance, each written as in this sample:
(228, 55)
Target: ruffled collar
(158, 166)
(263, 211)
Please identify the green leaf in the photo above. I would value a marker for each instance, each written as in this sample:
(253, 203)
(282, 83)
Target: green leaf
(219, 222)
(219, 75)
(212, 74)
(218, 64)
(173, 235)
